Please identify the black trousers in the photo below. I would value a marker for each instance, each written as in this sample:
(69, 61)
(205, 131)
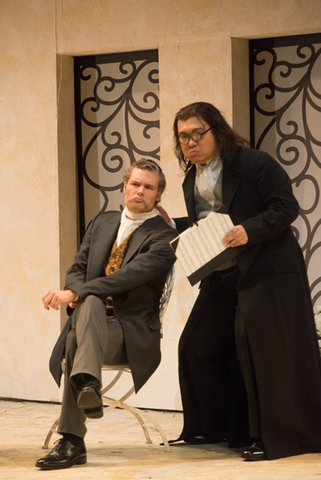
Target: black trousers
(212, 388)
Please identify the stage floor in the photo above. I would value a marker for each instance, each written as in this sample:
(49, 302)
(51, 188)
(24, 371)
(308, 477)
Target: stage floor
(116, 450)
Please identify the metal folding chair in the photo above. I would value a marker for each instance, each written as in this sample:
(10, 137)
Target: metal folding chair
(112, 403)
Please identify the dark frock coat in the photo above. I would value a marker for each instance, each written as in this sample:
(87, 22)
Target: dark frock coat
(274, 323)
(136, 288)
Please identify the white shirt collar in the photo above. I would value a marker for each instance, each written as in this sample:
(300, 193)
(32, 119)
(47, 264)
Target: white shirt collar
(130, 221)
(206, 177)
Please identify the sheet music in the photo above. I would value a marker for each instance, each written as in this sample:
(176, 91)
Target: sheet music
(200, 243)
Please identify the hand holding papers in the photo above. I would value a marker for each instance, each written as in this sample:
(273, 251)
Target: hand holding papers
(200, 249)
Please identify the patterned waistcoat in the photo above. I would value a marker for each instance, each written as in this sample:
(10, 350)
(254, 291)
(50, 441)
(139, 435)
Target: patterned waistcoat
(115, 262)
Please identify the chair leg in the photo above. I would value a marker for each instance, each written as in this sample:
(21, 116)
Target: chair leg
(113, 382)
(159, 429)
(138, 414)
(112, 404)
(49, 435)
(118, 403)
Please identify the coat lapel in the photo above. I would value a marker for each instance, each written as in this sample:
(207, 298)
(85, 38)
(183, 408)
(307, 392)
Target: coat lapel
(103, 246)
(188, 189)
(139, 238)
(230, 182)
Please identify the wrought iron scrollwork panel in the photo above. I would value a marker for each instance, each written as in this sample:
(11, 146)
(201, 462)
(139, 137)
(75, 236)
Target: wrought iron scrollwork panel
(117, 116)
(286, 122)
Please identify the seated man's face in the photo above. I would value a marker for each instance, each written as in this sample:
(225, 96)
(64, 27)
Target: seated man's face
(141, 191)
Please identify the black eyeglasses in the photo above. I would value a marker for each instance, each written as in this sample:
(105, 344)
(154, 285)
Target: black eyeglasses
(184, 138)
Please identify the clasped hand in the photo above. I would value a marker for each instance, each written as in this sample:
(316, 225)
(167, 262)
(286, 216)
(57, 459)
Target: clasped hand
(54, 298)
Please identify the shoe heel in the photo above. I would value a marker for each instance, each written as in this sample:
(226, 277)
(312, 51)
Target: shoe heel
(82, 460)
(94, 412)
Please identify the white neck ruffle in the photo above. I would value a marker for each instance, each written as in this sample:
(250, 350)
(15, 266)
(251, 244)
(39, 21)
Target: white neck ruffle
(130, 221)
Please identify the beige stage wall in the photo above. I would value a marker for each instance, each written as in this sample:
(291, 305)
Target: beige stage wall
(202, 56)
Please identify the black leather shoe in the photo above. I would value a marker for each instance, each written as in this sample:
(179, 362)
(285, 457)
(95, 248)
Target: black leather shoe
(63, 455)
(90, 401)
(254, 452)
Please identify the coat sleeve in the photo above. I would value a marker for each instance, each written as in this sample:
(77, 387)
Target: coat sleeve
(274, 206)
(181, 224)
(77, 272)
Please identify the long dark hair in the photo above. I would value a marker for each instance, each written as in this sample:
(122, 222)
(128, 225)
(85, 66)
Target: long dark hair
(226, 139)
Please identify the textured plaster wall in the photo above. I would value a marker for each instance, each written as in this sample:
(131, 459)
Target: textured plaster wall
(28, 196)
(38, 39)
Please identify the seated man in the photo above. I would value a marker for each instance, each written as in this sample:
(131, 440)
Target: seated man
(114, 286)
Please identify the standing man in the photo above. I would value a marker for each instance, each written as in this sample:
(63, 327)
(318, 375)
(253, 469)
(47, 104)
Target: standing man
(254, 312)
(114, 286)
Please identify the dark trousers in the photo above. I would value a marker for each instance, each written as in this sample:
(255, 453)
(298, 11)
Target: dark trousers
(212, 388)
(93, 340)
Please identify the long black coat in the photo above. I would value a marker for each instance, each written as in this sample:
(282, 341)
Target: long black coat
(136, 288)
(274, 321)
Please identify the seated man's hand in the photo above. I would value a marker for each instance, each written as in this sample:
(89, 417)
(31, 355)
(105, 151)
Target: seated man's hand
(54, 298)
(72, 305)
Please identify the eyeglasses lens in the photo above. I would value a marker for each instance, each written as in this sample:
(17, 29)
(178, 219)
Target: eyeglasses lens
(196, 136)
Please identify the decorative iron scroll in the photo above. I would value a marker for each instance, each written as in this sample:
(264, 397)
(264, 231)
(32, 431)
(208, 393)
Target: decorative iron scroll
(285, 85)
(117, 117)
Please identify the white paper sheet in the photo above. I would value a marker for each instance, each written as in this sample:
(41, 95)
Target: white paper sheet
(202, 242)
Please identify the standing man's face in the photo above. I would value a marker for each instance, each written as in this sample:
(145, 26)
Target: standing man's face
(203, 150)
(141, 191)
